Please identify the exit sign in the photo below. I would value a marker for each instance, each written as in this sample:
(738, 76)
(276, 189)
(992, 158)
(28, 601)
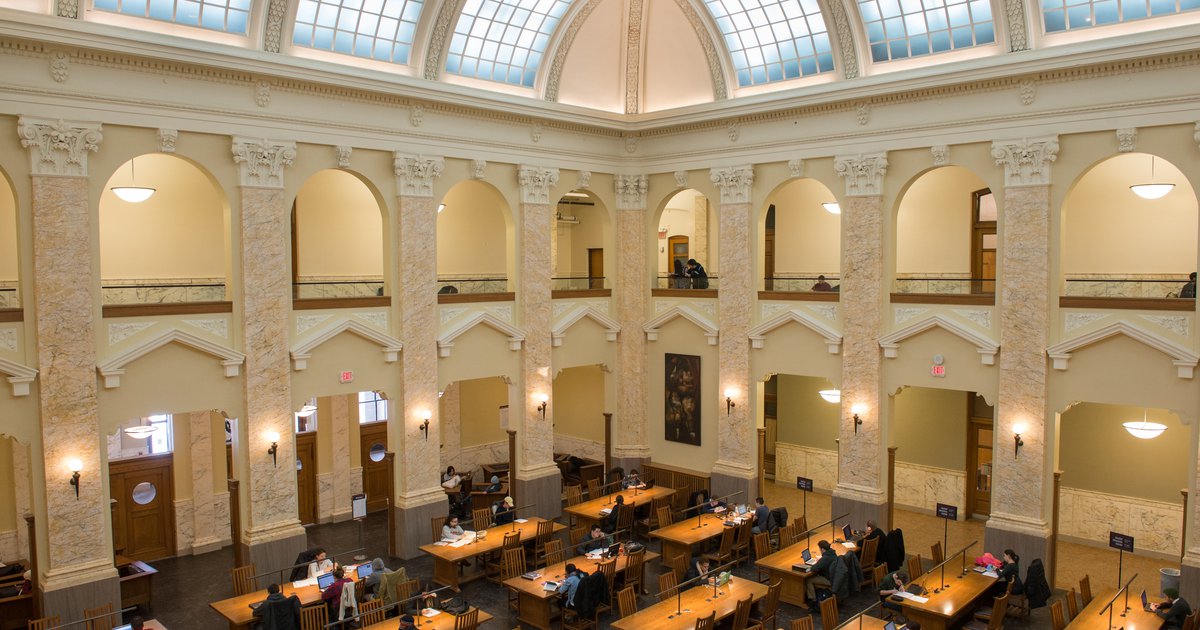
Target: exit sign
(346, 377)
(938, 371)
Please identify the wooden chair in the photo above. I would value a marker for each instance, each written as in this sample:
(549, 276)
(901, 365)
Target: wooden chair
(769, 606)
(787, 536)
(593, 488)
(1085, 589)
(407, 589)
(545, 532)
(999, 608)
(577, 534)
(371, 611)
(573, 494)
(1057, 621)
(800, 524)
(878, 573)
(666, 586)
(435, 527)
(625, 521)
(725, 551)
(627, 601)
(803, 623)
(101, 618)
(762, 549)
(741, 542)
(984, 613)
(679, 566)
(243, 580)
(468, 620)
(870, 549)
(554, 553)
(514, 566)
(495, 566)
(45, 623)
(935, 550)
(1072, 605)
(741, 615)
(635, 564)
(915, 568)
(707, 623)
(314, 617)
(1189, 622)
(609, 569)
(481, 518)
(665, 516)
(829, 612)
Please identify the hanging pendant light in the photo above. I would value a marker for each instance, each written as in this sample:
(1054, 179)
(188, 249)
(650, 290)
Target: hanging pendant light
(141, 431)
(132, 193)
(1152, 190)
(1144, 430)
(307, 410)
(832, 207)
(831, 395)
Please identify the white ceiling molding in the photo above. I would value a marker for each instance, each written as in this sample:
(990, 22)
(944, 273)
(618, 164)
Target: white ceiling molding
(987, 347)
(446, 340)
(574, 316)
(113, 368)
(19, 376)
(758, 334)
(303, 352)
(1182, 358)
(703, 323)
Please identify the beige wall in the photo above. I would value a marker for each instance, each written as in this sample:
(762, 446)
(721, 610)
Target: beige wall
(933, 224)
(682, 337)
(591, 79)
(8, 232)
(339, 228)
(8, 498)
(1108, 229)
(672, 76)
(574, 240)
(1098, 454)
(804, 417)
(807, 237)
(473, 231)
(179, 232)
(579, 403)
(679, 218)
(479, 410)
(920, 414)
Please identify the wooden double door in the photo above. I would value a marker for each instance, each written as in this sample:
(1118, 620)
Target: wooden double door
(143, 507)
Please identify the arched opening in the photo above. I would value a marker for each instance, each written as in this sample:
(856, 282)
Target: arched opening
(687, 231)
(474, 441)
(1119, 245)
(338, 238)
(579, 423)
(172, 247)
(801, 416)
(578, 242)
(474, 236)
(801, 236)
(946, 241)
(10, 296)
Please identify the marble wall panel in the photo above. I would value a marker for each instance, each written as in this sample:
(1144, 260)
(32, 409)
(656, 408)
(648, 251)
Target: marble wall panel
(1089, 516)
(923, 487)
(204, 525)
(22, 494)
(356, 483)
(589, 449)
(344, 411)
(630, 293)
(220, 506)
(185, 526)
(472, 457)
(536, 433)
(700, 235)
(324, 497)
(10, 546)
(793, 460)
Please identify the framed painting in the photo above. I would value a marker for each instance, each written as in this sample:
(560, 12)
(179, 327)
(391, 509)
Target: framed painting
(681, 417)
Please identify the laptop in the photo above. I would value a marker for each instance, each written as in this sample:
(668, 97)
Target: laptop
(324, 580)
(916, 589)
(807, 556)
(613, 550)
(847, 532)
(1146, 602)
(649, 484)
(364, 570)
(891, 625)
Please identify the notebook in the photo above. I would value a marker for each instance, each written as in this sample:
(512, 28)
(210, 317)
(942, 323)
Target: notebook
(365, 570)
(324, 580)
(891, 625)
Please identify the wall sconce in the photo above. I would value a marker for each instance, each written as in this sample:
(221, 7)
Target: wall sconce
(856, 409)
(1018, 429)
(729, 394)
(543, 399)
(274, 450)
(425, 416)
(74, 465)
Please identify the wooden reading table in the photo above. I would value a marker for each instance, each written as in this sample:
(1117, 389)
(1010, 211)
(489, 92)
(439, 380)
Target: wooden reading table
(696, 602)
(945, 608)
(237, 611)
(534, 600)
(588, 512)
(1135, 619)
(780, 565)
(678, 538)
(446, 558)
(440, 621)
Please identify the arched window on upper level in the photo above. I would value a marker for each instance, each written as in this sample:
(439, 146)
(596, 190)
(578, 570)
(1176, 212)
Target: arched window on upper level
(773, 40)
(503, 40)
(382, 30)
(227, 16)
(900, 29)
(9, 276)
(1065, 15)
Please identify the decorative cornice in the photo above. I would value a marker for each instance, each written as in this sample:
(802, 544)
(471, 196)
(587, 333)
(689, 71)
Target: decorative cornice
(19, 376)
(703, 323)
(437, 40)
(114, 368)
(1182, 358)
(261, 161)
(415, 174)
(734, 182)
(1026, 161)
(559, 58)
(863, 173)
(711, 55)
(445, 340)
(303, 352)
(536, 182)
(758, 334)
(986, 347)
(845, 38)
(559, 332)
(631, 191)
(57, 147)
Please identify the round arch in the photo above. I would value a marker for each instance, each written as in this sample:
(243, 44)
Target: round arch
(340, 242)
(685, 228)
(800, 229)
(582, 234)
(946, 241)
(472, 257)
(10, 262)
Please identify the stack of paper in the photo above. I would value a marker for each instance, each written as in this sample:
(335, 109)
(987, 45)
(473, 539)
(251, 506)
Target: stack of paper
(302, 583)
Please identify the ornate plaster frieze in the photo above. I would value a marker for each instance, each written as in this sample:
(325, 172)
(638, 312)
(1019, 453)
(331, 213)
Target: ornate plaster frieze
(1027, 90)
(681, 179)
(218, 326)
(584, 180)
(261, 161)
(60, 66)
(276, 11)
(378, 319)
(796, 168)
(416, 115)
(1126, 139)
(863, 173)
(941, 155)
(1075, 321)
(862, 111)
(478, 169)
(982, 318)
(535, 132)
(631, 191)
(120, 332)
(1182, 358)
(57, 147)
(415, 174)
(711, 54)
(633, 56)
(262, 93)
(1014, 14)
(167, 139)
(1196, 136)
(437, 39)
(536, 182)
(734, 182)
(341, 155)
(845, 38)
(559, 58)
(734, 131)
(903, 314)
(8, 339)
(67, 8)
(631, 142)
(1026, 161)
(304, 323)
(1177, 324)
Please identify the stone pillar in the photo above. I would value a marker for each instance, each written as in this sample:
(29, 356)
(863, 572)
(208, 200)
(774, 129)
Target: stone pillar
(451, 421)
(419, 494)
(24, 504)
(206, 535)
(537, 480)
(699, 249)
(335, 500)
(1189, 583)
(736, 467)
(630, 290)
(1020, 487)
(76, 568)
(861, 488)
(271, 531)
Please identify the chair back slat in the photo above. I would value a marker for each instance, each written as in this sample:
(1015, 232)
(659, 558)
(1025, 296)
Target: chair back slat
(1057, 621)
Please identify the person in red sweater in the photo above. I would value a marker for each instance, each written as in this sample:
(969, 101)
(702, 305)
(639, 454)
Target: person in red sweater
(332, 595)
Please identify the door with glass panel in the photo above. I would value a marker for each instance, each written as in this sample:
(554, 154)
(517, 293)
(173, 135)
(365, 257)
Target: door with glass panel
(373, 441)
(983, 241)
(143, 508)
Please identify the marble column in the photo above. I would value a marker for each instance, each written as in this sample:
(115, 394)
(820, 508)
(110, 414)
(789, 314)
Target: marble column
(77, 566)
(1020, 511)
(337, 503)
(206, 535)
(736, 468)
(861, 489)
(538, 481)
(271, 531)
(630, 290)
(1189, 584)
(419, 495)
(699, 248)
(449, 403)
(24, 484)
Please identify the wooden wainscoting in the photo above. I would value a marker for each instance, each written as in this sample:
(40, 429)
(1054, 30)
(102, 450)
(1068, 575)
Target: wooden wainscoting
(684, 481)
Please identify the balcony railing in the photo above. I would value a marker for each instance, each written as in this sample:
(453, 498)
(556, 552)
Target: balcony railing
(710, 283)
(472, 285)
(326, 289)
(1163, 287)
(801, 284)
(116, 293)
(9, 298)
(584, 283)
(946, 286)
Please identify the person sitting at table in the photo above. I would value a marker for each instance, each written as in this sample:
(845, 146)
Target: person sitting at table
(332, 595)
(321, 563)
(494, 484)
(822, 571)
(595, 540)
(713, 506)
(698, 568)
(371, 584)
(633, 480)
(137, 623)
(451, 530)
(450, 478)
(1010, 571)
(761, 515)
(891, 584)
(278, 612)
(610, 521)
(696, 498)
(570, 585)
(505, 512)
(1174, 610)
(873, 531)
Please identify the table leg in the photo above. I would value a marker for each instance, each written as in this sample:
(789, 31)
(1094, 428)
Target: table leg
(793, 588)
(534, 611)
(445, 572)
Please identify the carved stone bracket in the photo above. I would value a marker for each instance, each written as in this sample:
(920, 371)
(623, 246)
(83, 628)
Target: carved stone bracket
(415, 174)
(941, 155)
(585, 180)
(478, 169)
(167, 139)
(863, 173)
(536, 182)
(57, 147)
(796, 167)
(342, 155)
(1126, 139)
(734, 182)
(631, 192)
(681, 179)
(261, 161)
(1026, 161)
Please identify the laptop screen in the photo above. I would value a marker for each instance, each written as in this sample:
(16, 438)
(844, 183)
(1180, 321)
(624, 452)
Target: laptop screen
(365, 570)
(891, 625)
(614, 549)
(847, 532)
(1145, 601)
(324, 580)
(806, 555)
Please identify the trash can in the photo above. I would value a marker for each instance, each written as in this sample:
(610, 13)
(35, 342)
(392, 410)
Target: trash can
(1168, 578)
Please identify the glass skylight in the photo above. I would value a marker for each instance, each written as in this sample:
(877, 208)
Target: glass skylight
(503, 40)
(1063, 15)
(230, 16)
(375, 29)
(773, 40)
(898, 29)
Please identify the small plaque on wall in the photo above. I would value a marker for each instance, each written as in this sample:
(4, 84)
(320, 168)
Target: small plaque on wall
(804, 483)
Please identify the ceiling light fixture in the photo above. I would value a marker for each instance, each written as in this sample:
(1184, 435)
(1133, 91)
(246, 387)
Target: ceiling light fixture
(134, 193)
(1152, 190)
(1144, 430)
(831, 395)
(441, 206)
(141, 431)
(832, 207)
(307, 410)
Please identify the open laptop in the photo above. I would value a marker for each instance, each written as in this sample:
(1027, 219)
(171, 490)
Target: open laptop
(916, 589)
(847, 532)
(613, 550)
(324, 580)
(1146, 602)
(364, 570)
(891, 625)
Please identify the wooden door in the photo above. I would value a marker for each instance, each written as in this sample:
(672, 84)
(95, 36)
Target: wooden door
(306, 477)
(983, 241)
(979, 456)
(143, 506)
(373, 444)
(677, 249)
(595, 268)
(769, 260)
(771, 423)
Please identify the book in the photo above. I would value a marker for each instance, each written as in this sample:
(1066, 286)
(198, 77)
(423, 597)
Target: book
(532, 575)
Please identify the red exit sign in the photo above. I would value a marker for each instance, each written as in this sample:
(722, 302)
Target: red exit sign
(346, 377)
(938, 371)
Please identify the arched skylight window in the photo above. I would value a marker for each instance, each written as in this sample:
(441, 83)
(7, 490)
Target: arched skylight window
(503, 40)
(773, 40)
(1062, 15)
(230, 16)
(375, 29)
(898, 29)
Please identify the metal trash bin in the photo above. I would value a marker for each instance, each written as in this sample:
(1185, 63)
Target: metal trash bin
(1168, 578)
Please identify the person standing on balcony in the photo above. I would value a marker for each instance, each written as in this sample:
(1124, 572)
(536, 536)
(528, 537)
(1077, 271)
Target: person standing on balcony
(1189, 290)
(696, 272)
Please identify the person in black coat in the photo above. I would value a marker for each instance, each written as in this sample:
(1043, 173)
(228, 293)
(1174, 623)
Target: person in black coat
(278, 612)
(821, 573)
(1174, 610)
(610, 521)
(1037, 589)
(1010, 571)
(696, 272)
